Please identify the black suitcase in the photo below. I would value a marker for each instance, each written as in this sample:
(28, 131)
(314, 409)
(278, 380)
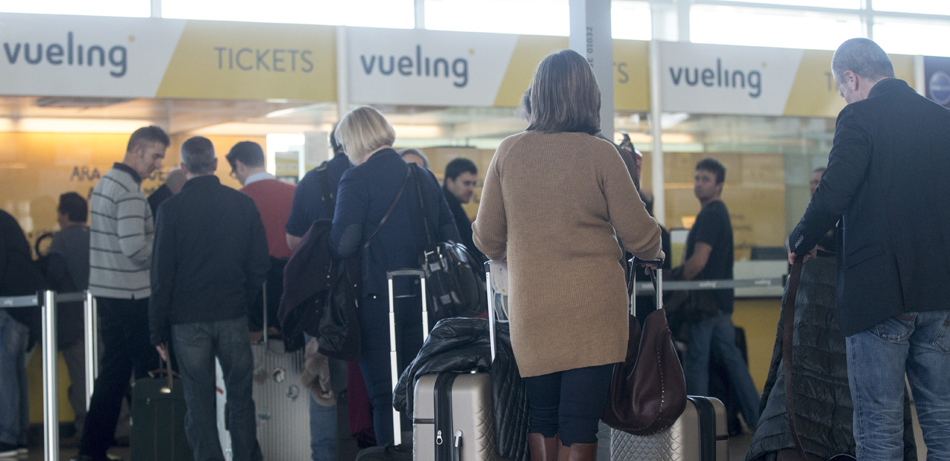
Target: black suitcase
(158, 420)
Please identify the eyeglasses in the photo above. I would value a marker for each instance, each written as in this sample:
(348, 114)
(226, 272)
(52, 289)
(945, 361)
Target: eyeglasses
(233, 174)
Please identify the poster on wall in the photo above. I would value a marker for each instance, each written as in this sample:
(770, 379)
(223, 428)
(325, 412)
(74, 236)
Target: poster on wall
(937, 79)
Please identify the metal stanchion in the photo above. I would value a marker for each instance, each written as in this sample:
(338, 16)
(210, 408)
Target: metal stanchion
(50, 394)
(90, 319)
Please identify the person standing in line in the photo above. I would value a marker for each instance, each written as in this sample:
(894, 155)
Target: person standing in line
(68, 272)
(273, 198)
(209, 265)
(709, 256)
(378, 214)
(461, 176)
(19, 331)
(309, 207)
(120, 251)
(416, 156)
(886, 183)
(557, 204)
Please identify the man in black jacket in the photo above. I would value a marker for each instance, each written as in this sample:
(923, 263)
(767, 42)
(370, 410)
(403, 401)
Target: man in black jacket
(208, 265)
(887, 184)
(461, 176)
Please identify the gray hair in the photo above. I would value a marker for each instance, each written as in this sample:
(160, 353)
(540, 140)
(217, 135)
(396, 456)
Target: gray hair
(197, 153)
(417, 153)
(863, 57)
(362, 131)
(564, 95)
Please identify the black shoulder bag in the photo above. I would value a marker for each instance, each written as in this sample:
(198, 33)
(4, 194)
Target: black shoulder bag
(453, 282)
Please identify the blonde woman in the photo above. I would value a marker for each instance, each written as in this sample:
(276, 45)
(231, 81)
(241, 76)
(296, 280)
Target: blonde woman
(558, 203)
(377, 212)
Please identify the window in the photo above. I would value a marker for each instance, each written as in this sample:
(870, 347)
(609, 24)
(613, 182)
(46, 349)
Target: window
(913, 6)
(531, 17)
(903, 36)
(365, 13)
(775, 28)
(850, 4)
(631, 20)
(131, 8)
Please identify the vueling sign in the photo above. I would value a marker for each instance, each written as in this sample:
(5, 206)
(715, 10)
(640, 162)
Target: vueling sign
(70, 53)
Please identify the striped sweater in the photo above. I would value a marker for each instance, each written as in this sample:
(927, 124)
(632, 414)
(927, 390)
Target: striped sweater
(120, 236)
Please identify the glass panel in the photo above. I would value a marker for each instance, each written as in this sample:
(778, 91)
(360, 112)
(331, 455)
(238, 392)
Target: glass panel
(902, 36)
(132, 8)
(532, 17)
(399, 14)
(851, 4)
(630, 20)
(783, 29)
(913, 6)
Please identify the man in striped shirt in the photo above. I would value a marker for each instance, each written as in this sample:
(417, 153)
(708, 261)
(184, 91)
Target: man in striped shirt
(120, 254)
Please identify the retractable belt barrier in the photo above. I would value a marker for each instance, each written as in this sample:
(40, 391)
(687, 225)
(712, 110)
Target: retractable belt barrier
(47, 301)
(646, 288)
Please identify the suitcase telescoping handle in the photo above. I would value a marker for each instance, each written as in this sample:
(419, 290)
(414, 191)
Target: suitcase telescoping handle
(655, 276)
(491, 309)
(394, 364)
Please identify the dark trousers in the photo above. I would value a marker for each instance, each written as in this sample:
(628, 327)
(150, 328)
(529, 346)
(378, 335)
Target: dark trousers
(374, 358)
(197, 345)
(568, 403)
(123, 325)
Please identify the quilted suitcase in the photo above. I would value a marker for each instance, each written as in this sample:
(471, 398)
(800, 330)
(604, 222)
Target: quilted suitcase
(700, 434)
(280, 402)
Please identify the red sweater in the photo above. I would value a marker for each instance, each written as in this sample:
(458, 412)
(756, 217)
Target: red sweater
(274, 199)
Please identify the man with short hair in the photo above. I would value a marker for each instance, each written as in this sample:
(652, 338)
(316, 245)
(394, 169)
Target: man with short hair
(709, 256)
(461, 176)
(272, 196)
(886, 182)
(314, 200)
(411, 155)
(120, 252)
(209, 264)
(68, 272)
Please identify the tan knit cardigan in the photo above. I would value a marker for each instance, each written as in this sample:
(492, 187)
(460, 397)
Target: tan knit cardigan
(554, 205)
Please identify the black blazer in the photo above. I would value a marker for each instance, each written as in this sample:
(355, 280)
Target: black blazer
(888, 181)
(210, 256)
(364, 196)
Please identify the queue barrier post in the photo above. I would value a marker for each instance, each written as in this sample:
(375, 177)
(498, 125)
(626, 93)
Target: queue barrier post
(91, 343)
(50, 394)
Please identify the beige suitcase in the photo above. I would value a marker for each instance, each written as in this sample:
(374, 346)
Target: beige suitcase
(452, 418)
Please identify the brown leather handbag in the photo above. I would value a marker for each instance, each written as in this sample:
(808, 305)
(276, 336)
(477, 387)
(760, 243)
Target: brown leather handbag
(648, 390)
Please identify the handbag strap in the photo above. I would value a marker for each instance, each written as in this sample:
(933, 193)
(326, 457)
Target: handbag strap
(788, 317)
(420, 197)
(326, 196)
(389, 212)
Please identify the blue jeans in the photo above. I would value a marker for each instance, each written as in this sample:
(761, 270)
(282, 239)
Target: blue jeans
(374, 356)
(568, 403)
(14, 394)
(718, 336)
(915, 343)
(196, 346)
(323, 430)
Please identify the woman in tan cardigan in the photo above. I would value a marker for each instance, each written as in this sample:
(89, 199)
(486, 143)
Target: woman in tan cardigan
(557, 204)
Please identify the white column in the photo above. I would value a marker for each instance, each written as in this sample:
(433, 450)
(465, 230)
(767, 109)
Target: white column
(156, 8)
(920, 77)
(420, 6)
(342, 74)
(656, 130)
(590, 36)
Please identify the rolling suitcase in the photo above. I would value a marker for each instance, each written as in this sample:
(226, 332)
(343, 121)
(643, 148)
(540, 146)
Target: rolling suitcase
(453, 417)
(158, 417)
(280, 401)
(699, 434)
